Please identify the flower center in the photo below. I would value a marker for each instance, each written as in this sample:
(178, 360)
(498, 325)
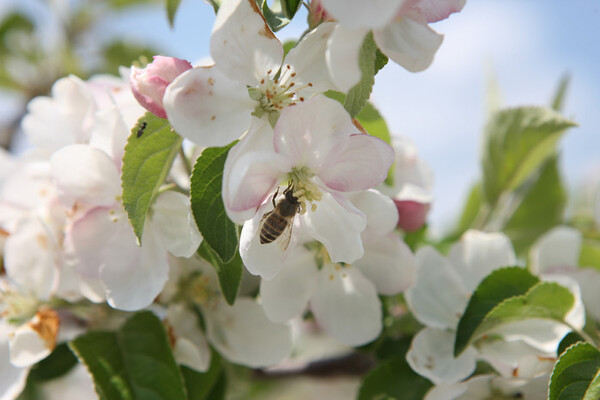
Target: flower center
(274, 94)
(17, 307)
(305, 189)
(198, 289)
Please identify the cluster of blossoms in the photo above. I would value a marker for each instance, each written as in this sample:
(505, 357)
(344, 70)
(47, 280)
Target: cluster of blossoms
(305, 181)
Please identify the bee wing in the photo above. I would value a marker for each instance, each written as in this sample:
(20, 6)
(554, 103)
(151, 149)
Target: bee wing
(286, 235)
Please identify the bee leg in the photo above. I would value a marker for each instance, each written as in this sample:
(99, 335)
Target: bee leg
(275, 196)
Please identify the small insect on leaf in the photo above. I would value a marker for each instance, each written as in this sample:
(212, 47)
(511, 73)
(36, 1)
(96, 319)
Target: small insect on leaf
(140, 131)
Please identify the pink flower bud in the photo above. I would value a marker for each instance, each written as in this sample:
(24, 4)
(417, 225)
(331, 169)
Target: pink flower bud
(149, 84)
(317, 13)
(411, 214)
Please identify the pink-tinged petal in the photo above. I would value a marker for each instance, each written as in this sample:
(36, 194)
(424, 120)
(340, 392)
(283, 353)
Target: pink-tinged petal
(243, 334)
(431, 10)
(369, 14)
(379, 209)
(358, 163)
(32, 256)
(149, 84)
(431, 355)
(251, 173)
(242, 44)
(346, 305)
(63, 119)
(388, 263)
(556, 251)
(438, 296)
(34, 340)
(411, 215)
(85, 174)
(265, 260)
(12, 378)
(206, 107)
(307, 59)
(477, 254)
(174, 225)
(287, 294)
(342, 54)
(133, 276)
(306, 133)
(191, 348)
(409, 43)
(337, 224)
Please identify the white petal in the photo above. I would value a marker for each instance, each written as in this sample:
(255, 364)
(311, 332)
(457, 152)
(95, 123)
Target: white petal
(63, 119)
(589, 282)
(83, 173)
(243, 334)
(337, 224)
(206, 107)
(346, 305)
(191, 348)
(438, 297)
(308, 132)
(174, 225)
(287, 294)
(388, 263)
(307, 59)
(358, 163)
(477, 388)
(31, 257)
(477, 254)
(34, 340)
(12, 378)
(75, 384)
(507, 357)
(132, 275)
(342, 56)
(431, 355)
(380, 210)
(541, 334)
(242, 44)
(371, 14)
(409, 43)
(556, 250)
(576, 315)
(437, 10)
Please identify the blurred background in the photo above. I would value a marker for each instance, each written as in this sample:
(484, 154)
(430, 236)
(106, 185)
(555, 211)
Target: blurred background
(523, 47)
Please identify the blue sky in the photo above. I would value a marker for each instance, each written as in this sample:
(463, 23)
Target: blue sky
(527, 45)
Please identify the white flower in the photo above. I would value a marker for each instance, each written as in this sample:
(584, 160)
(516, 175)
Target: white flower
(318, 153)
(214, 105)
(400, 29)
(440, 295)
(343, 297)
(556, 253)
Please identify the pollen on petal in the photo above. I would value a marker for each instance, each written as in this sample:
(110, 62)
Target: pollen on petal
(46, 323)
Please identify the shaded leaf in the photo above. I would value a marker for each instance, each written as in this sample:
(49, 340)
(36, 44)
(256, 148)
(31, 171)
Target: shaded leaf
(576, 374)
(200, 384)
(230, 273)
(172, 6)
(275, 15)
(394, 379)
(58, 363)
(147, 161)
(359, 94)
(471, 209)
(561, 91)
(590, 254)
(218, 231)
(567, 341)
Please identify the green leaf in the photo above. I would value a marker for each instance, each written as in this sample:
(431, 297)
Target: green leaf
(471, 209)
(381, 61)
(561, 91)
(359, 94)
(290, 7)
(172, 6)
(517, 141)
(135, 362)
(58, 363)
(590, 254)
(200, 384)
(119, 53)
(568, 340)
(393, 379)
(288, 45)
(218, 231)
(576, 374)
(542, 204)
(230, 273)
(275, 15)
(149, 154)
(215, 4)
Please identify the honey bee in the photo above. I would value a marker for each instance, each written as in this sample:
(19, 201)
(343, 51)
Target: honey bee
(278, 222)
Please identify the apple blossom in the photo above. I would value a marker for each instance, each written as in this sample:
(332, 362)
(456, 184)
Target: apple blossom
(412, 185)
(343, 297)
(440, 295)
(149, 84)
(213, 106)
(556, 253)
(315, 150)
(400, 29)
